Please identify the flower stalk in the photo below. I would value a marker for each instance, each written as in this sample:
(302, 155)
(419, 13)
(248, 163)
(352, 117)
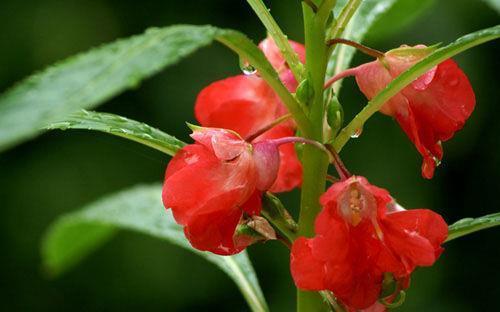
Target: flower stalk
(315, 162)
(367, 50)
(259, 132)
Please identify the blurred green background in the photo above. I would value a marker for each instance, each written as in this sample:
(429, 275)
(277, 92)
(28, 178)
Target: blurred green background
(61, 171)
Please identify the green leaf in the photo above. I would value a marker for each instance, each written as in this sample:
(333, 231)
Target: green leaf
(395, 86)
(386, 12)
(90, 78)
(495, 4)
(123, 127)
(74, 236)
(470, 225)
(397, 17)
(367, 13)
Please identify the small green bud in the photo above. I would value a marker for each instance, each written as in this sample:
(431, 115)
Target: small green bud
(305, 92)
(334, 116)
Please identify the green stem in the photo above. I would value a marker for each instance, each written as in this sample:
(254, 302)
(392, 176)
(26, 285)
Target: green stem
(343, 19)
(315, 162)
(279, 38)
(324, 10)
(281, 226)
(247, 50)
(337, 29)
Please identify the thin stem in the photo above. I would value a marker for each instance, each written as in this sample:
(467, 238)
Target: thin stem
(311, 4)
(367, 50)
(281, 226)
(313, 143)
(332, 301)
(338, 163)
(273, 124)
(337, 29)
(332, 179)
(324, 11)
(346, 73)
(343, 19)
(279, 38)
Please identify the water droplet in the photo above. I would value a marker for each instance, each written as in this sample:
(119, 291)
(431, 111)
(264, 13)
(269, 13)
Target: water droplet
(437, 161)
(357, 133)
(246, 68)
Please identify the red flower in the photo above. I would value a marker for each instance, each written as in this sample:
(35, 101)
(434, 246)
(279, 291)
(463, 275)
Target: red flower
(211, 184)
(246, 104)
(431, 109)
(361, 233)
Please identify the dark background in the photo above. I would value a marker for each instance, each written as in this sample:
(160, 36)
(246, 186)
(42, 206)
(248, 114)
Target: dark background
(61, 171)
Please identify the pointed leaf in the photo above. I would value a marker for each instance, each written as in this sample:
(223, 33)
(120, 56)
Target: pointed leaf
(123, 127)
(90, 78)
(74, 236)
(470, 225)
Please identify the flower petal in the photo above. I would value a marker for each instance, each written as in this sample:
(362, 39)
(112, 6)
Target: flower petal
(307, 271)
(290, 168)
(415, 236)
(241, 103)
(431, 109)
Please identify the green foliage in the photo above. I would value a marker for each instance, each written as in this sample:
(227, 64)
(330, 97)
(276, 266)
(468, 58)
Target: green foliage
(121, 126)
(74, 236)
(471, 225)
(495, 4)
(248, 51)
(90, 78)
(439, 55)
(369, 13)
(398, 16)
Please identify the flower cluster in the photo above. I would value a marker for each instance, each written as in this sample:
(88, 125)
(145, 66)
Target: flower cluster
(362, 236)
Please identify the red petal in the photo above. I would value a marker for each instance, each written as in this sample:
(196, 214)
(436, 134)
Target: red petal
(430, 110)
(244, 104)
(206, 195)
(183, 188)
(415, 236)
(376, 307)
(273, 53)
(439, 111)
(253, 205)
(307, 271)
(332, 237)
(214, 229)
(290, 169)
(366, 291)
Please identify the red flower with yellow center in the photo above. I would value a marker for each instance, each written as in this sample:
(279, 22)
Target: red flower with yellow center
(361, 233)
